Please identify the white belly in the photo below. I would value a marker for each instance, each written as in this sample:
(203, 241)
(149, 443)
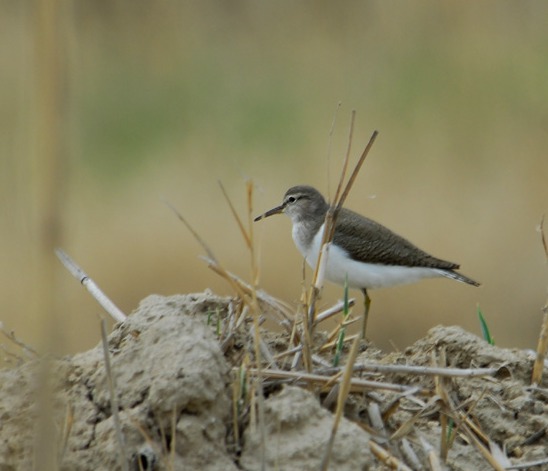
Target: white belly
(360, 275)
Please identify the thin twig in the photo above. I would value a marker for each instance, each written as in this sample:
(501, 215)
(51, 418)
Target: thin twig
(327, 237)
(329, 145)
(113, 399)
(354, 174)
(333, 310)
(543, 238)
(209, 252)
(333, 343)
(245, 233)
(386, 458)
(10, 335)
(245, 289)
(483, 450)
(111, 309)
(330, 224)
(406, 427)
(260, 346)
(542, 344)
(530, 464)
(357, 384)
(344, 390)
(346, 157)
(201, 241)
(421, 370)
(67, 428)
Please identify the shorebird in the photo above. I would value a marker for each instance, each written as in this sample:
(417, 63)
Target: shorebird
(364, 254)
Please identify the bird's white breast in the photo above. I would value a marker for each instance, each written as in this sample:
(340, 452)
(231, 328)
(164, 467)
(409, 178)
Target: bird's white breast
(360, 274)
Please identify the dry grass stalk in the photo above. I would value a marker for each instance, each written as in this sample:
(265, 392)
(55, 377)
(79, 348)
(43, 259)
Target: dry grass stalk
(344, 390)
(318, 360)
(211, 259)
(419, 370)
(460, 418)
(338, 204)
(333, 310)
(333, 335)
(10, 335)
(428, 370)
(329, 230)
(245, 290)
(331, 219)
(483, 450)
(388, 459)
(329, 144)
(306, 342)
(254, 307)
(542, 345)
(113, 400)
(111, 309)
(529, 464)
(11, 358)
(291, 351)
(332, 214)
(462, 422)
(408, 426)
(333, 343)
(243, 231)
(249, 296)
(394, 405)
(357, 384)
(237, 393)
(446, 431)
(67, 428)
(441, 392)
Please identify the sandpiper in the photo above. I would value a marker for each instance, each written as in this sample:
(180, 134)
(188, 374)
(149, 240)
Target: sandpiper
(363, 253)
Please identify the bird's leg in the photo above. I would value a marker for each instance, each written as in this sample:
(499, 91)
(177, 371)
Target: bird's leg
(366, 305)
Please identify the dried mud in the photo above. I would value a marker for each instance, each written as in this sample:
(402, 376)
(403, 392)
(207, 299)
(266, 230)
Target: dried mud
(174, 380)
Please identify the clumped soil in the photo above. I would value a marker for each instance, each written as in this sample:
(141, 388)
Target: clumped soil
(176, 373)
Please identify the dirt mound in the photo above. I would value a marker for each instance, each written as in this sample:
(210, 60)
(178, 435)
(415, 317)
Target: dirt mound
(187, 400)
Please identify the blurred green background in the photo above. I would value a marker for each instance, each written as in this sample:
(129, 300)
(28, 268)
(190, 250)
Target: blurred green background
(110, 106)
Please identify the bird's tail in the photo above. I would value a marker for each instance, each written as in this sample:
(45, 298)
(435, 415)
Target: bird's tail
(458, 276)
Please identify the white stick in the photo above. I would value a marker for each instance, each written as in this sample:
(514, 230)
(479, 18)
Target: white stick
(421, 370)
(335, 309)
(90, 285)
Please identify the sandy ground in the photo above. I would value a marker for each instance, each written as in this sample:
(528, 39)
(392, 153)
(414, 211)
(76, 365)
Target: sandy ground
(187, 400)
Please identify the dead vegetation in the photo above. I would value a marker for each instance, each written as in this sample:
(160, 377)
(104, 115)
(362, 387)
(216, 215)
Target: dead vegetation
(186, 383)
(203, 382)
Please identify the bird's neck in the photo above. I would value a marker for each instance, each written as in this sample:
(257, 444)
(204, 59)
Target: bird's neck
(304, 230)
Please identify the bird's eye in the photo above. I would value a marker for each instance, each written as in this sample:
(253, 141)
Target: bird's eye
(291, 199)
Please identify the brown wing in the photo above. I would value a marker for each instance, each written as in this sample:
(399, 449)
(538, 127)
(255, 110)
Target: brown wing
(369, 241)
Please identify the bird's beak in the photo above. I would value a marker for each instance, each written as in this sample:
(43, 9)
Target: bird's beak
(276, 210)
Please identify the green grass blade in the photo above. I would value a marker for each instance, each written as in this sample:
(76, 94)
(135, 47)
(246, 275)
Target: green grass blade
(339, 347)
(485, 328)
